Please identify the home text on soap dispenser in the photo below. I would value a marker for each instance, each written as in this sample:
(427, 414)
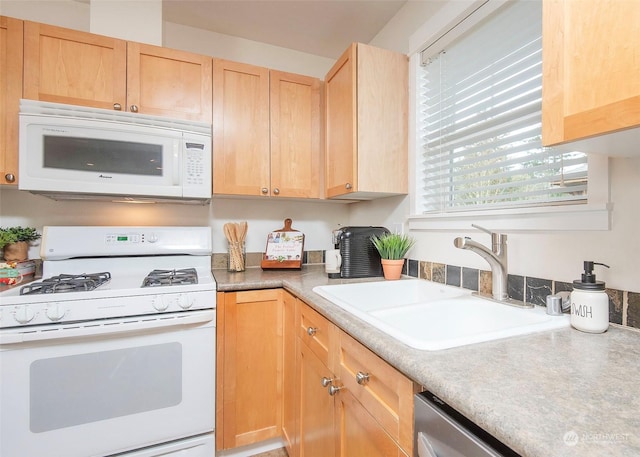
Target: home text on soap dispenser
(589, 302)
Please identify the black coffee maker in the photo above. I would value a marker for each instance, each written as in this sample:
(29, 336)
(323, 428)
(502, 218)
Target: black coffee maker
(360, 258)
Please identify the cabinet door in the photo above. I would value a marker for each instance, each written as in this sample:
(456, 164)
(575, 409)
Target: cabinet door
(295, 135)
(591, 62)
(289, 374)
(10, 94)
(240, 129)
(167, 82)
(359, 434)
(383, 100)
(341, 136)
(367, 124)
(252, 367)
(316, 411)
(78, 68)
(382, 390)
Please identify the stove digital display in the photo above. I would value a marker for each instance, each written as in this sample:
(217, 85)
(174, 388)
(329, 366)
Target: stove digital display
(122, 238)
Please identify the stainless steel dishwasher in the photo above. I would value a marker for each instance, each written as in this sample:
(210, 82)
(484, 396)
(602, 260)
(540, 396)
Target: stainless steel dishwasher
(441, 431)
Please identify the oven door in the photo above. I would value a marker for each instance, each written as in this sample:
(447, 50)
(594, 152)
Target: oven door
(103, 387)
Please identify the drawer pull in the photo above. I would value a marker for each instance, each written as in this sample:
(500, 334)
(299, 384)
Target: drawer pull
(326, 381)
(334, 390)
(362, 378)
(312, 331)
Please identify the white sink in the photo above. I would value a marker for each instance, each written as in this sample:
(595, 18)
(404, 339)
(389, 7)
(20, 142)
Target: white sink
(431, 316)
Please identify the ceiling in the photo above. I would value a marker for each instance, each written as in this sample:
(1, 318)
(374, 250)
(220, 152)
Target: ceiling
(320, 27)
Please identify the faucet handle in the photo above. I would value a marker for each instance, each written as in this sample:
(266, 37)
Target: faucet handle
(485, 230)
(496, 238)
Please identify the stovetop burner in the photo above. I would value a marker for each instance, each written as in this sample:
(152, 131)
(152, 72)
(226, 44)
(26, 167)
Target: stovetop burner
(181, 277)
(66, 283)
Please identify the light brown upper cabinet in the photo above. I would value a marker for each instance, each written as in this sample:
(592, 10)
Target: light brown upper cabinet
(10, 93)
(266, 132)
(295, 135)
(591, 68)
(79, 68)
(366, 96)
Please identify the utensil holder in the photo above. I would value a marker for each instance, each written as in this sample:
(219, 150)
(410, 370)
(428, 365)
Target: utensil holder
(237, 256)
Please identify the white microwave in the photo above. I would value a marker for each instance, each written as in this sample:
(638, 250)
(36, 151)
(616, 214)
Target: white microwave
(74, 152)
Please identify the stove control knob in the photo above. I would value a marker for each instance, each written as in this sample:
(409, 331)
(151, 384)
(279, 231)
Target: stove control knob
(55, 312)
(152, 238)
(185, 301)
(158, 303)
(23, 314)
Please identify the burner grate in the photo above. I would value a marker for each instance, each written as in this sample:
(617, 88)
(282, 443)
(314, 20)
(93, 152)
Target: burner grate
(66, 283)
(181, 277)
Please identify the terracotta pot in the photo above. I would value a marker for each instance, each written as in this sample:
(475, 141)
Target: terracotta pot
(17, 251)
(392, 269)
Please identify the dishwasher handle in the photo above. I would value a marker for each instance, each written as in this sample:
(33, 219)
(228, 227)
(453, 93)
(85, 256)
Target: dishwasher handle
(105, 327)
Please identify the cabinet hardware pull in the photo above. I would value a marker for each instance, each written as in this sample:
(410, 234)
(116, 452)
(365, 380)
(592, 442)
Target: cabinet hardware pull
(362, 378)
(276, 191)
(312, 331)
(264, 190)
(10, 177)
(326, 381)
(133, 108)
(347, 186)
(334, 390)
(117, 106)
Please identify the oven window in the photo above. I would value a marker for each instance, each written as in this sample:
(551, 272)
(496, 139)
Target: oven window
(109, 156)
(79, 389)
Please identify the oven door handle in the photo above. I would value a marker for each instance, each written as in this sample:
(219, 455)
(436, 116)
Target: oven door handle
(137, 324)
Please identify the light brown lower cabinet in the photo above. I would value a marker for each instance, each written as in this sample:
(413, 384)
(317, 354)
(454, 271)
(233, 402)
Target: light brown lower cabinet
(360, 435)
(285, 370)
(249, 367)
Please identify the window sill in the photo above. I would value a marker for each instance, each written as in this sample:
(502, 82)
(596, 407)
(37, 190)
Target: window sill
(553, 218)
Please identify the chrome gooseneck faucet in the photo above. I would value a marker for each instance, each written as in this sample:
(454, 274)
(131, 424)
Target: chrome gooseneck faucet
(496, 256)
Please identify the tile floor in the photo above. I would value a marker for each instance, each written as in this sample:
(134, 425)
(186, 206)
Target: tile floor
(275, 453)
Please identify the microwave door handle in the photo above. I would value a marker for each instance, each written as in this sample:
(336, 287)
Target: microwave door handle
(92, 329)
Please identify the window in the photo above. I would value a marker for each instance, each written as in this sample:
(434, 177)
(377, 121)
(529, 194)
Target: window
(478, 122)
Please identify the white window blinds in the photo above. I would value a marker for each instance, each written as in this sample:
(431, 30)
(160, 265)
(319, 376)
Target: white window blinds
(479, 121)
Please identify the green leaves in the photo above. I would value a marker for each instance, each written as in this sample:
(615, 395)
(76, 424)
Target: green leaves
(14, 234)
(392, 245)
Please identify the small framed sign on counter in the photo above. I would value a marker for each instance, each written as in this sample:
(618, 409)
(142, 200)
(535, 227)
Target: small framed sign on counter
(285, 248)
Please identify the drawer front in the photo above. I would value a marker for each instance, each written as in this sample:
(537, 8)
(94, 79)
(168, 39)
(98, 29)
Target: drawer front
(315, 331)
(382, 390)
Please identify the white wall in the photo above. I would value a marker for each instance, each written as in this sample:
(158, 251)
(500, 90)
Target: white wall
(63, 13)
(185, 38)
(315, 219)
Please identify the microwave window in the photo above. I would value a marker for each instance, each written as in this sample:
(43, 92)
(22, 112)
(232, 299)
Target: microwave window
(110, 156)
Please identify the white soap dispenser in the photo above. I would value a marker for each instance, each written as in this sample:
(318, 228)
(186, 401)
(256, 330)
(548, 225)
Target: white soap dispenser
(589, 302)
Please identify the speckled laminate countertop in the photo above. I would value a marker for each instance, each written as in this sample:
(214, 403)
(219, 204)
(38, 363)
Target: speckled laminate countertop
(552, 394)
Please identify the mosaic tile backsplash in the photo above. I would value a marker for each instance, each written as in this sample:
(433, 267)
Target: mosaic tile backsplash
(624, 306)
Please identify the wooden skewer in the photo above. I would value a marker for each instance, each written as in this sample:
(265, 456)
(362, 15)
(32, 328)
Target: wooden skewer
(235, 234)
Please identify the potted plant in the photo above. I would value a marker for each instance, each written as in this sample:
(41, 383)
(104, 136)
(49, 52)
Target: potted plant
(392, 248)
(14, 242)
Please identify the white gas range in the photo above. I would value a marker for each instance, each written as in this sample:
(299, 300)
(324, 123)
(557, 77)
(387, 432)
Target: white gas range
(119, 335)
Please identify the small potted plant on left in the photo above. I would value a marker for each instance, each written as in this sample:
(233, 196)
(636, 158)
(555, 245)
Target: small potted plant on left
(392, 248)
(14, 242)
